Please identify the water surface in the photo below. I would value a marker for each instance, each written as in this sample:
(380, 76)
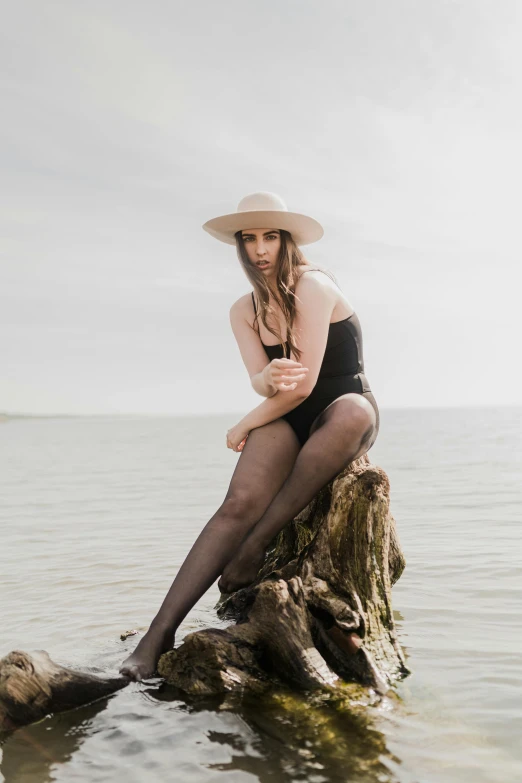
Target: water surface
(97, 514)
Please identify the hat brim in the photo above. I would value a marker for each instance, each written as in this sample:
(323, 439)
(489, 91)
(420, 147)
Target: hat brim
(304, 229)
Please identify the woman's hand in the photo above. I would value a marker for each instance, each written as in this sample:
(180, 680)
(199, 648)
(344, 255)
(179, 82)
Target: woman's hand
(284, 374)
(236, 437)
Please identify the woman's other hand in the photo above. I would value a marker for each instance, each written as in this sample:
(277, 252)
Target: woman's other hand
(284, 374)
(236, 437)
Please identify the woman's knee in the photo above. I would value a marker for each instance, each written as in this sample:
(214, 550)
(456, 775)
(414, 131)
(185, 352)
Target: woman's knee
(237, 505)
(354, 416)
(368, 427)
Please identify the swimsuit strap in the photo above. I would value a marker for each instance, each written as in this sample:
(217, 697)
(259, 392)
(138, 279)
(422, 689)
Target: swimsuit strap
(255, 311)
(320, 270)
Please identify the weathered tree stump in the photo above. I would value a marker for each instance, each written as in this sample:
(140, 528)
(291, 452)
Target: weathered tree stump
(327, 576)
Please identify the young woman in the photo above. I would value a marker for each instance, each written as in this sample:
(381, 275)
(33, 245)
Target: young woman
(318, 416)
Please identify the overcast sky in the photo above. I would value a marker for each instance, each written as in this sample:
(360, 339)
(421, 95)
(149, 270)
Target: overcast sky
(127, 125)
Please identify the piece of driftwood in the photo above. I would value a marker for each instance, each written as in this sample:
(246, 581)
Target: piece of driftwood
(328, 576)
(33, 686)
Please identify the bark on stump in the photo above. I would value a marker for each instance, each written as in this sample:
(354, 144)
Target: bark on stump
(329, 573)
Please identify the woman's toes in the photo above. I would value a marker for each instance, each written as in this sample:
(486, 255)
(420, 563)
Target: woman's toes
(125, 669)
(131, 671)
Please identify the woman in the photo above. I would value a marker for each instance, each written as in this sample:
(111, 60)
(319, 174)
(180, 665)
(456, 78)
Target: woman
(318, 416)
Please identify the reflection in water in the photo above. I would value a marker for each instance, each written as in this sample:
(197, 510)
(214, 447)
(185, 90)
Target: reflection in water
(281, 737)
(299, 735)
(306, 739)
(31, 753)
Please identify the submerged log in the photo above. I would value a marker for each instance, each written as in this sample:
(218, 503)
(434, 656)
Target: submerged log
(325, 582)
(33, 686)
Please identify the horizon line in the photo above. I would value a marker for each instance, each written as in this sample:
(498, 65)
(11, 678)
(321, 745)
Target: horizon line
(196, 414)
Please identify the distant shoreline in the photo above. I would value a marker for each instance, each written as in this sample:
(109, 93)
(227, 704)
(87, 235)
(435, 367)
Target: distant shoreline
(5, 416)
(9, 416)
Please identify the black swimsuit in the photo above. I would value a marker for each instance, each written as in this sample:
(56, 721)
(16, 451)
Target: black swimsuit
(342, 371)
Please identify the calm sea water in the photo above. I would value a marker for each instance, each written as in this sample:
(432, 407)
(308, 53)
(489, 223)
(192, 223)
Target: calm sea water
(96, 516)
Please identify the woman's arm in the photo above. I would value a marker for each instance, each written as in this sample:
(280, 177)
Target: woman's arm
(315, 304)
(252, 351)
(272, 408)
(261, 385)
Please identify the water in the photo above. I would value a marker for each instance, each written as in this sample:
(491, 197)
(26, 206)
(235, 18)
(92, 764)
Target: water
(97, 514)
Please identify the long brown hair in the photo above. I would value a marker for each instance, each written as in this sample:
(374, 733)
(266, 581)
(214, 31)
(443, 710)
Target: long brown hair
(290, 257)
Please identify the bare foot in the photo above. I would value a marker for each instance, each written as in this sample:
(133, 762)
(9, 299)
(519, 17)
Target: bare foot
(243, 568)
(141, 664)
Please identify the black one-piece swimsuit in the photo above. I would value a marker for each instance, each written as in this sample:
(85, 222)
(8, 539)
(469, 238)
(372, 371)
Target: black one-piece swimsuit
(342, 371)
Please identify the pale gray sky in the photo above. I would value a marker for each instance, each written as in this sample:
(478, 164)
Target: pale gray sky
(126, 125)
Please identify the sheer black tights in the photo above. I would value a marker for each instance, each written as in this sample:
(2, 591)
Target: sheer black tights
(266, 460)
(343, 432)
(273, 480)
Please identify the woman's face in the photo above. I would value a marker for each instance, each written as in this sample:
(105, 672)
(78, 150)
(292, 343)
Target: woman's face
(262, 246)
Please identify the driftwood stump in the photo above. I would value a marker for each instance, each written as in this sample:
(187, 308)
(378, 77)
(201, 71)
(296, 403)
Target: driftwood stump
(328, 574)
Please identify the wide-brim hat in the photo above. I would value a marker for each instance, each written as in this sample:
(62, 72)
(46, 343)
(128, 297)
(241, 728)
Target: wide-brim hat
(264, 210)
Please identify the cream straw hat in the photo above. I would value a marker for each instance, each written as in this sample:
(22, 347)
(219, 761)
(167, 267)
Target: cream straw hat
(264, 210)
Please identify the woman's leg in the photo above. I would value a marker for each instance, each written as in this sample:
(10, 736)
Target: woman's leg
(343, 432)
(266, 460)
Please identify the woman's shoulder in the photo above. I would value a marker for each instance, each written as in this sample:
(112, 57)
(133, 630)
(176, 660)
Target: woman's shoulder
(310, 271)
(243, 305)
(315, 273)
(320, 282)
(314, 289)
(314, 278)
(244, 299)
